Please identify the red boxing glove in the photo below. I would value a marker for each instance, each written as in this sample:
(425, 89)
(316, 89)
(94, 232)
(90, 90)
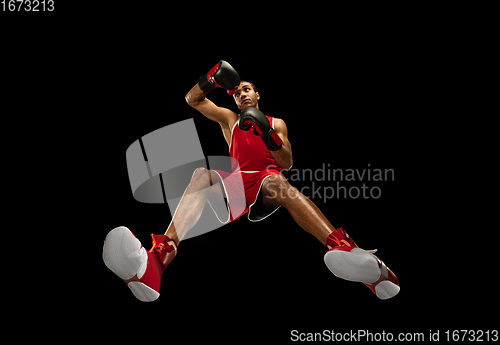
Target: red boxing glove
(222, 75)
(253, 118)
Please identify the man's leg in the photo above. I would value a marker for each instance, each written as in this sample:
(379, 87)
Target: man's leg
(189, 210)
(276, 190)
(142, 270)
(345, 260)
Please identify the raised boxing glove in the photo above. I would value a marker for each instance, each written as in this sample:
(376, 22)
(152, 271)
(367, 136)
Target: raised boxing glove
(222, 75)
(253, 118)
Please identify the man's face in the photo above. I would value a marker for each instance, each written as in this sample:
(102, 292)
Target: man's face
(246, 97)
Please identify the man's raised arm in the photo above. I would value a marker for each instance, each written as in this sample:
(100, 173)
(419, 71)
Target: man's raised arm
(222, 75)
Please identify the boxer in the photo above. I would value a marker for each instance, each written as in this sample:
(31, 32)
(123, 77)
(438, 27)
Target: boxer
(260, 145)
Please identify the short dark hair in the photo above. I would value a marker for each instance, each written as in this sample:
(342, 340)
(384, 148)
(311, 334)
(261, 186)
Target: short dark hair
(253, 85)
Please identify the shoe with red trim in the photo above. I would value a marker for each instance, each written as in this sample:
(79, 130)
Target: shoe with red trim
(347, 261)
(141, 270)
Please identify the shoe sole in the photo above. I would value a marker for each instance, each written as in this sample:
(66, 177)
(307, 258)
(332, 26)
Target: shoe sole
(360, 266)
(143, 292)
(124, 255)
(386, 289)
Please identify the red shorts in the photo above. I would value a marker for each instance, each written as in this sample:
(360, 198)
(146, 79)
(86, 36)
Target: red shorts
(242, 191)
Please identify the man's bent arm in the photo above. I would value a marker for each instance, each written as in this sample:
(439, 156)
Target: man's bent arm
(196, 98)
(283, 156)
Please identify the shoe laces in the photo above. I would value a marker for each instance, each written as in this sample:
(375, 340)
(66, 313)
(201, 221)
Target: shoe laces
(162, 245)
(343, 243)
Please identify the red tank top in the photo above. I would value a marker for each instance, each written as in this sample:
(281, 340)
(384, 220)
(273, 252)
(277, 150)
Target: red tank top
(250, 151)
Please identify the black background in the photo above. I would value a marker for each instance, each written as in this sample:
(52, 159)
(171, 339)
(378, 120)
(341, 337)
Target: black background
(350, 95)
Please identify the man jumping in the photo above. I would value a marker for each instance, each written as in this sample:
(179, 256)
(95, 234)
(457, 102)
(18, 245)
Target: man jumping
(260, 146)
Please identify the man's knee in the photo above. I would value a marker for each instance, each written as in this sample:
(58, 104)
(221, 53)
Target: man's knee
(201, 177)
(277, 191)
